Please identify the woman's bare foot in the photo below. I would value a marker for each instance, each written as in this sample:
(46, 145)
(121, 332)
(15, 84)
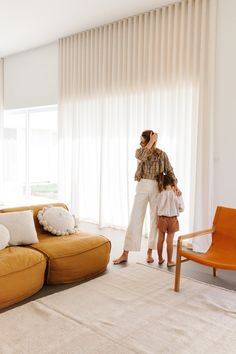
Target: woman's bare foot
(171, 264)
(149, 258)
(161, 261)
(122, 259)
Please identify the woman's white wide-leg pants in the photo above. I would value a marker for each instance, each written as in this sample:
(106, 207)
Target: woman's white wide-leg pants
(146, 191)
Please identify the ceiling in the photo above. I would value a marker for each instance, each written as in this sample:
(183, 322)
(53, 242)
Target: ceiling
(26, 24)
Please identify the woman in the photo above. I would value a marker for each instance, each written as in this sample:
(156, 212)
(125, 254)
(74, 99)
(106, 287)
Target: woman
(153, 163)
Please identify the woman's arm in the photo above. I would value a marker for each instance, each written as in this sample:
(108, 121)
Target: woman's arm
(168, 169)
(143, 153)
(180, 203)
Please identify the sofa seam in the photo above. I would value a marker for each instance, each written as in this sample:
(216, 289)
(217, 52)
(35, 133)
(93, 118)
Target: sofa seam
(18, 271)
(83, 279)
(75, 254)
(21, 298)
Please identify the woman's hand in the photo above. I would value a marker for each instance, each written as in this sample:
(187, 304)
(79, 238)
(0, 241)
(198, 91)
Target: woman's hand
(177, 191)
(153, 138)
(152, 141)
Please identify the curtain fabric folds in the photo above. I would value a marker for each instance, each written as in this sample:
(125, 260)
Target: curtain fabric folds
(150, 71)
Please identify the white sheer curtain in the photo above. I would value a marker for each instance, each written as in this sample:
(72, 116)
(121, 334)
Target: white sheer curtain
(146, 72)
(204, 181)
(1, 125)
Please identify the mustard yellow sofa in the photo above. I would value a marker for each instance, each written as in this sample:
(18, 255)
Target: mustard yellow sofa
(54, 260)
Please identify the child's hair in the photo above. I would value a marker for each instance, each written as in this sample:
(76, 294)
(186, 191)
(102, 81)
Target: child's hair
(168, 181)
(146, 135)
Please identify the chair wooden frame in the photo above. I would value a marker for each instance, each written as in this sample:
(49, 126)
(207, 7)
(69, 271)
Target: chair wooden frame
(179, 260)
(222, 251)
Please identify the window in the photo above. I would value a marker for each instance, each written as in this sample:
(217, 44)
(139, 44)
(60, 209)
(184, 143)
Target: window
(30, 156)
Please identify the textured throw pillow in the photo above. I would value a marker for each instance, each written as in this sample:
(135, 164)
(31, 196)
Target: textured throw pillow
(4, 237)
(57, 220)
(20, 225)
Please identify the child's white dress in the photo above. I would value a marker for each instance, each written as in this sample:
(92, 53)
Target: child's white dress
(169, 204)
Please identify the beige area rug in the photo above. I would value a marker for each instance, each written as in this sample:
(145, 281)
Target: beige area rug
(131, 310)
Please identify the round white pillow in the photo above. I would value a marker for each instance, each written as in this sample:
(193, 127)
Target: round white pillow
(57, 220)
(4, 237)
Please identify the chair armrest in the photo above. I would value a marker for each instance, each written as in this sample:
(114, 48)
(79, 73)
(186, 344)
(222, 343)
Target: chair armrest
(195, 234)
(182, 253)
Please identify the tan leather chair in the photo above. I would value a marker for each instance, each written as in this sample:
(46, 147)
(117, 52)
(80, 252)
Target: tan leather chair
(222, 252)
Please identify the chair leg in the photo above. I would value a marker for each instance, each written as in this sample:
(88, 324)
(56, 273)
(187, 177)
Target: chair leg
(177, 271)
(214, 272)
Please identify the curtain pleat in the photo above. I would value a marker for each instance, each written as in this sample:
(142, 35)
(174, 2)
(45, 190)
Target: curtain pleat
(146, 71)
(144, 51)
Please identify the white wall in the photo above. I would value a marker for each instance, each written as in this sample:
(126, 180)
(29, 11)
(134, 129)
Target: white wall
(225, 106)
(30, 78)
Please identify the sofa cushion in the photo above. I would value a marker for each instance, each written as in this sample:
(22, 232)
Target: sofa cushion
(75, 257)
(35, 209)
(21, 227)
(21, 274)
(4, 237)
(57, 220)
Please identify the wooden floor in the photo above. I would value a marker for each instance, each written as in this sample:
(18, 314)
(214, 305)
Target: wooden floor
(225, 279)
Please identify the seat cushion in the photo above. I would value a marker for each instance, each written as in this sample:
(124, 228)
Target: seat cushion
(214, 257)
(21, 274)
(74, 257)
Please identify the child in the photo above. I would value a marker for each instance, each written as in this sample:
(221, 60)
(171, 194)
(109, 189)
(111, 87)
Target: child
(168, 207)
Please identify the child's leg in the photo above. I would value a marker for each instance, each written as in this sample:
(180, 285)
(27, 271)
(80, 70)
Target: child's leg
(169, 242)
(161, 239)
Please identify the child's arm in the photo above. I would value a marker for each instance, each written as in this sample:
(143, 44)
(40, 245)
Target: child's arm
(180, 204)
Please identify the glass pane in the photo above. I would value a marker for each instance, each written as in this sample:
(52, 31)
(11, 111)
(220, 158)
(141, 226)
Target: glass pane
(14, 170)
(43, 155)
